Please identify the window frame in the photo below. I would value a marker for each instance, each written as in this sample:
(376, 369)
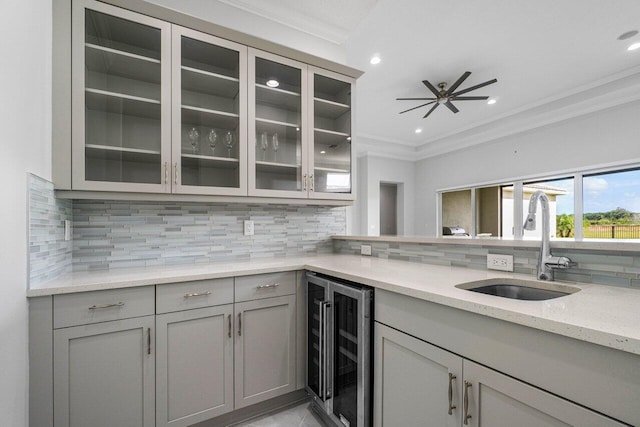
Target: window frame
(518, 184)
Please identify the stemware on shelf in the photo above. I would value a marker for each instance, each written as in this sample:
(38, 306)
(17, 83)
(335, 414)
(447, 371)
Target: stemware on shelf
(194, 135)
(229, 142)
(264, 144)
(275, 144)
(213, 140)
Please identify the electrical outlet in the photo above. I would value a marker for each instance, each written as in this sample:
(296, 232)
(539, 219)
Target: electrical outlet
(365, 250)
(248, 228)
(500, 262)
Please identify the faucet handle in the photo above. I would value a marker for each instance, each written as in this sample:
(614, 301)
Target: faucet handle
(561, 262)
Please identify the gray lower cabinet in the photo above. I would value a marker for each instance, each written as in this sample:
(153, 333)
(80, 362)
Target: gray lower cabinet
(417, 383)
(104, 374)
(495, 399)
(265, 349)
(412, 380)
(194, 372)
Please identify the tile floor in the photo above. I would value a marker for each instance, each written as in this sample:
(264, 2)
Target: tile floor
(296, 416)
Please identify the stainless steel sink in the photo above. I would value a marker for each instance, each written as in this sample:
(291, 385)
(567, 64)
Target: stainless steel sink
(519, 289)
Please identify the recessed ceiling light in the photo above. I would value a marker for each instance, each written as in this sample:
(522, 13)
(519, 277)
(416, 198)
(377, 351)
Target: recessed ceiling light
(634, 47)
(627, 35)
(323, 152)
(491, 101)
(375, 60)
(273, 83)
(419, 130)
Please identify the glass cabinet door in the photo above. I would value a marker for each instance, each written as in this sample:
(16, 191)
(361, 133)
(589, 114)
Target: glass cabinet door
(277, 159)
(120, 100)
(209, 104)
(332, 154)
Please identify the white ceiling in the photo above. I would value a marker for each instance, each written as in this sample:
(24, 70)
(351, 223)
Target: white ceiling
(553, 60)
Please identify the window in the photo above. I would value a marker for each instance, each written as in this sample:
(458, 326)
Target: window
(608, 207)
(611, 205)
(560, 195)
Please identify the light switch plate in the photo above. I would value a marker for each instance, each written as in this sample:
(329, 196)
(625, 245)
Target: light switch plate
(248, 228)
(500, 262)
(365, 250)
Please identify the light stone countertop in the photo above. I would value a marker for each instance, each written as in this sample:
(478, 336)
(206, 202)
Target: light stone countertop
(599, 314)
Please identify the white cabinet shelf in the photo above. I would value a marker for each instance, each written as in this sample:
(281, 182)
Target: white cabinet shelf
(202, 81)
(273, 167)
(330, 109)
(119, 103)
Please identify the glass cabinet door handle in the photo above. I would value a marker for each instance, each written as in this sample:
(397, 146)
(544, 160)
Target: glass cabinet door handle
(175, 170)
(239, 324)
(166, 173)
(304, 182)
(311, 184)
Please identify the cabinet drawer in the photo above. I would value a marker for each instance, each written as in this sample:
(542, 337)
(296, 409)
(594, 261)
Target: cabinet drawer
(102, 306)
(195, 294)
(265, 285)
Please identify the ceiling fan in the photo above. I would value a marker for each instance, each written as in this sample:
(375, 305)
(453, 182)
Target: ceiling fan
(445, 96)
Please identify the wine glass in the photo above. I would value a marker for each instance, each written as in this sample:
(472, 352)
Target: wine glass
(194, 135)
(229, 142)
(264, 144)
(213, 140)
(275, 144)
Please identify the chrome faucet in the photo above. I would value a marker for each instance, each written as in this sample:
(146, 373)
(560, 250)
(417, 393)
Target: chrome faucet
(547, 263)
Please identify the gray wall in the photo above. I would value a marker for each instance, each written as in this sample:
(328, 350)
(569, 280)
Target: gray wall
(25, 146)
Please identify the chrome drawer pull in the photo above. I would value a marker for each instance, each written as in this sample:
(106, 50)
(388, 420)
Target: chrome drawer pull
(466, 416)
(197, 294)
(97, 307)
(451, 405)
(275, 285)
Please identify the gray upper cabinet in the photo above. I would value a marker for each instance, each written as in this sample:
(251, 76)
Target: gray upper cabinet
(121, 66)
(265, 349)
(104, 374)
(160, 108)
(330, 125)
(194, 365)
(277, 126)
(209, 114)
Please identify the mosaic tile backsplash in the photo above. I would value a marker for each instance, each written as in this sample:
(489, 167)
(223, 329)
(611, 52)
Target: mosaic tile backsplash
(49, 254)
(114, 234)
(601, 267)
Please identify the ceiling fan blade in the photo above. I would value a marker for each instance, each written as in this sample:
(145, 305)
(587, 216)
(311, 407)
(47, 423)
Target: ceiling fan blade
(430, 111)
(451, 107)
(432, 88)
(469, 98)
(415, 99)
(469, 89)
(458, 82)
(417, 107)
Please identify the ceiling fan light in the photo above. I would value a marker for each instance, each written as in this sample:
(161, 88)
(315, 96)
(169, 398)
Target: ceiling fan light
(633, 47)
(418, 130)
(375, 60)
(492, 101)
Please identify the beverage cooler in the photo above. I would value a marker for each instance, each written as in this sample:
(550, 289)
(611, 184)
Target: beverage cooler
(339, 350)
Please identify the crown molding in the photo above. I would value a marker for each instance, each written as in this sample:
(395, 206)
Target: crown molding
(617, 89)
(325, 31)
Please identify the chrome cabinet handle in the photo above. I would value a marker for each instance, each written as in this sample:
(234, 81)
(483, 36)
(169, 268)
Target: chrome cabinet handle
(451, 405)
(175, 172)
(311, 183)
(166, 173)
(197, 294)
(275, 285)
(304, 182)
(467, 417)
(101, 306)
(229, 321)
(326, 392)
(148, 341)
(239, 324)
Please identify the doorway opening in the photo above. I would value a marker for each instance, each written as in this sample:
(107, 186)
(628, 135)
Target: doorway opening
(388, 209)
